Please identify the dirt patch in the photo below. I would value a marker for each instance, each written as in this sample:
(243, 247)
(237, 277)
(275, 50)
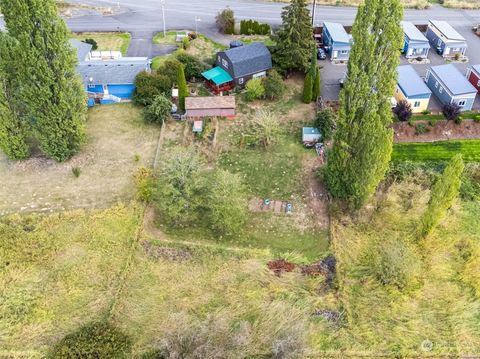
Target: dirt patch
(326, 267)
(317, 193)
(280, 266)
(155, 252)
(439, 131)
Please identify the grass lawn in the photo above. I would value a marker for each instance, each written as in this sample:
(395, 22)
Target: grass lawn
(116, 133)
(159, 38)
(115, 41)
(248, 39)
(466, 115)
(435, 151)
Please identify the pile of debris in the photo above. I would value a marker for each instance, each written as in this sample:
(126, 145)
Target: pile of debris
(156, 253)
(280, 266)
(326, 267)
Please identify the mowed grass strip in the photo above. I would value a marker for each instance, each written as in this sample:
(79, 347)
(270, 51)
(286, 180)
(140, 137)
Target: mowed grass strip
(434, 151)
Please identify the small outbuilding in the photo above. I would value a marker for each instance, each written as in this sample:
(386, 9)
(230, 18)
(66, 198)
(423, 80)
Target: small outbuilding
(415, 43)
(411, 88)
(451, 86)
(337, 41)
(445, 39)
(473, 75)
(311, 136)
(237, 65)
(210, 106)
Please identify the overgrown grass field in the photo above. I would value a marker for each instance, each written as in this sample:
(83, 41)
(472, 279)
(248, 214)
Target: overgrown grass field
(435, 151)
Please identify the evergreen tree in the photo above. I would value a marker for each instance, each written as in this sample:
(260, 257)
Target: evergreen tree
(444, 192)
(294, 39)
(182, 87)
(307, 88)
(51, 92)
(274, 86)
(316, 84)
(14, 128)
(363, 142)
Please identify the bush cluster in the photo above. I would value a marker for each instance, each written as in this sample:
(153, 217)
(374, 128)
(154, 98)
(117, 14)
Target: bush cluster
(252, 27)
(99, 340)
(225, 21)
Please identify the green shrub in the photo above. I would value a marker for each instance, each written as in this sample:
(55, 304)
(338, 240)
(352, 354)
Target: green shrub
(144, 181)
(148, 86)
(98, 340)
(403, 111)
(470, 187)
(255, 89)
(325, 121)
(192, 66)
(252, 27)
(170, 69)
(425, 112)
(451, 111)
(76, 172)
(225, 21)
(394, 263)
(421, 128)
(91, 42)
(476, 118)
(185, 43)
(411, 122)
(158, 111)
(274, 86)
(459, 120)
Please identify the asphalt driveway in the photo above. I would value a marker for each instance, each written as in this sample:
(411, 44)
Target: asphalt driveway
(142, 45)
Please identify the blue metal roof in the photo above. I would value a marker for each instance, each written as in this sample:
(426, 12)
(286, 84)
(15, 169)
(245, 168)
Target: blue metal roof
(410, 82)
(412, 32)
(453, 79)
(311, 131)
(337, 32)
(446, 29)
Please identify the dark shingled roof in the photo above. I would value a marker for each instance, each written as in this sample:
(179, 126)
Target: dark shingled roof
(249, 59)
(82, 48)
(114, 72)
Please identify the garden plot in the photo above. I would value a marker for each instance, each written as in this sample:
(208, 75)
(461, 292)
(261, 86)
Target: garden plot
(118, 142)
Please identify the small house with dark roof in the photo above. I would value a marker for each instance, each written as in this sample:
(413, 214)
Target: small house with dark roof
(451, 86)
(412, 89)
(445, 39)
(337, 41)
(473, 75)
(415, 43)
(237, 65)
(108, 77)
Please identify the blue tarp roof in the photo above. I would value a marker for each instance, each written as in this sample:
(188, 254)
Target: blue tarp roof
(446, 29)
(337, 32)
(412, 32)
(453, 79)
(410, 82)
(218, 75)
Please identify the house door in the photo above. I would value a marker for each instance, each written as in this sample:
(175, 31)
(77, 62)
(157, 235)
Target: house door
(335, 54)
(105, 89)
(447, 51)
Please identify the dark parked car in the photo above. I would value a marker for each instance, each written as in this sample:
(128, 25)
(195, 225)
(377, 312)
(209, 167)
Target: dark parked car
(321, 54)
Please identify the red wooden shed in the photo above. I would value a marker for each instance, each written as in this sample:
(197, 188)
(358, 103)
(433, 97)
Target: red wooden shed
(473, 75)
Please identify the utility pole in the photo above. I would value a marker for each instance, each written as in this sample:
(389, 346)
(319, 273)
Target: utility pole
(313, 12)
(197, 19)
(163, 15)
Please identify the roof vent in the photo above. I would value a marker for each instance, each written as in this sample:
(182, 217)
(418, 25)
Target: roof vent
(235, 43)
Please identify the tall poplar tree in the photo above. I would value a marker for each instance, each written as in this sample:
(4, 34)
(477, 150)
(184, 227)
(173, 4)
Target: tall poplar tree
(363, 141)
(51, 92)
(182, 87)
(444, 192)
(295, 38)
(14, 128)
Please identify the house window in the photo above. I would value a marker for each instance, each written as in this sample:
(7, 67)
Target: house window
(416, 104)
(462, 103)
(218, 58)
(343, 52)
(225, 63)
(436, 84)
(91, 86)
(440, 89)
(240, 81)
(478, 83)
(260, 74)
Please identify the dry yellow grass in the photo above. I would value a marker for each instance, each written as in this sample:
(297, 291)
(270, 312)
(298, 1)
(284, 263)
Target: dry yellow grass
(116, 133)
